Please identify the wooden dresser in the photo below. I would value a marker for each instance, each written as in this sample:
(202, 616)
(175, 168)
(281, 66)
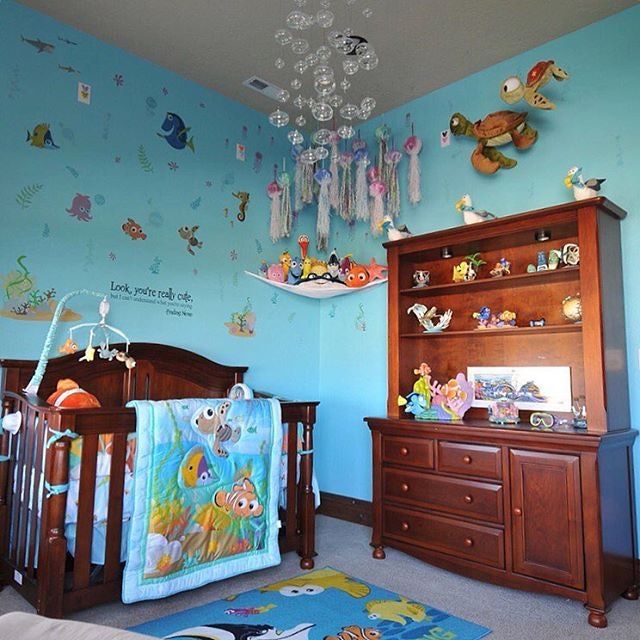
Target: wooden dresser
(549, 511)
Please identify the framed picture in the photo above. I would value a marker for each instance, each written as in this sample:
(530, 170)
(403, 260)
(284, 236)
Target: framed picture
(531, 388)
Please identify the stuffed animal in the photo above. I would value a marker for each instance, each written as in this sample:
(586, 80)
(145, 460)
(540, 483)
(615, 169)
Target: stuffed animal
(69, 395)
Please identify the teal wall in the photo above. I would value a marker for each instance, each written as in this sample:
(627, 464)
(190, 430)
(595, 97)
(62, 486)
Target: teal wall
(66, 254)
(593, 126)
(334, 350)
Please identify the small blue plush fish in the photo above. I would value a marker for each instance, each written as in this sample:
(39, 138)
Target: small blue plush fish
(177, 132)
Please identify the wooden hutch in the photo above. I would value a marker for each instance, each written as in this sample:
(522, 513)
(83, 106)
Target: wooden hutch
(536, 510)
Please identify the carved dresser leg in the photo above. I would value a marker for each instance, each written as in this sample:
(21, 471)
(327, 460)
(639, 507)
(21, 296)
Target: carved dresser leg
(378, 553)
(597, 619)
(307, 563)
(631, 593)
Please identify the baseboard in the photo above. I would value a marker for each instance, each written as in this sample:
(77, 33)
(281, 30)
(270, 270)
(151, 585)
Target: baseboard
(345, 508)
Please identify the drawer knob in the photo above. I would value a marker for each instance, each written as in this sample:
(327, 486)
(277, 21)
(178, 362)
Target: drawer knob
(404, 486)
(404, 451)
(467, 460)
(405, 526)
(517, 511)
(468, 542)
(468, 499)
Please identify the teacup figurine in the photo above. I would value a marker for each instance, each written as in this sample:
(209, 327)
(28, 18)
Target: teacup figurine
(421, 278)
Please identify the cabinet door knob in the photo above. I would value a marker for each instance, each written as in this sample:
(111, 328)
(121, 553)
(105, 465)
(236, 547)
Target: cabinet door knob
(404, 486)
(404, 451)
(468, 499)
(468, 542)
(517, 511)
(405, 526)
(467, 460)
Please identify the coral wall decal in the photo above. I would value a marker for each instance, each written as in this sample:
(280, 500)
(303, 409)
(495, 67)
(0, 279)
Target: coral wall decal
(143, 160)
(26, 195)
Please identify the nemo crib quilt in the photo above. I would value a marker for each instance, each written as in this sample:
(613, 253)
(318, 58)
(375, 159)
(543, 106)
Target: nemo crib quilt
(205, 494)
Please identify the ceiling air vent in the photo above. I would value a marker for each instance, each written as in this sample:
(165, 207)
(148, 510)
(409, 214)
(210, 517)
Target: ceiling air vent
(262, 86)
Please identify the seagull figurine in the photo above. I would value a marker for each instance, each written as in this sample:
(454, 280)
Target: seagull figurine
(582, 189)
(393, 232)
(470, 214)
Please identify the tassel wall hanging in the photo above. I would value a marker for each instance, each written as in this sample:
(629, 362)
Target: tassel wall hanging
(297, 186)
(391, 159)
(346, 187)
(274, 192)
(324, 179)
(361, 157)
(413, 146)
(334, 187)
(377, 189)
(382, 135)
(284, 181)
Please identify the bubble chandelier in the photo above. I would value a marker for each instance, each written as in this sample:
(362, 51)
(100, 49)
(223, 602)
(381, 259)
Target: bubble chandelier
(322, 57)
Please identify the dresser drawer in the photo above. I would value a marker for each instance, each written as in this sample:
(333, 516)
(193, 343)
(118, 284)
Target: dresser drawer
(463, 497)
(470, 459)
(447, 535)
(413, 452)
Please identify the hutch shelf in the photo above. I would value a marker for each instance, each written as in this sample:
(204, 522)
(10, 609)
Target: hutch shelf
(549, 511)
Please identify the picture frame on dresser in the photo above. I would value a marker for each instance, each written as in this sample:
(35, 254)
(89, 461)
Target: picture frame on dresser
(472, 496)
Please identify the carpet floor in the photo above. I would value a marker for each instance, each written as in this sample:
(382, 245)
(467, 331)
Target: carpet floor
(513, 615)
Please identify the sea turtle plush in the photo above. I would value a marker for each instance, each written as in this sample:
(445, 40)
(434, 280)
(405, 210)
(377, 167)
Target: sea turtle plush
(496, 129)
(513, 90)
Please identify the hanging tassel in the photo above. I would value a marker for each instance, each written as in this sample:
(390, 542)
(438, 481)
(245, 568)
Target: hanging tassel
(377, 189)
(298, 204)
(274, 191)
(285, 204)
(413, 146)
(361, 157)
(334, 187)
(307, 183)
(382, 135)
(391, 159)
(346, 187)
(324, 179)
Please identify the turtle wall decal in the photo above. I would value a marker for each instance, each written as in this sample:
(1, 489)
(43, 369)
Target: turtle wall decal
(513, 89)
(495, 130)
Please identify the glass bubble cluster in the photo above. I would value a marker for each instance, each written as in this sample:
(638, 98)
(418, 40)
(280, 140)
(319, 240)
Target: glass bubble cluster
(327, 98)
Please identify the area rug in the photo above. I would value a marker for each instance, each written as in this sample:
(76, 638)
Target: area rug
(319, 605)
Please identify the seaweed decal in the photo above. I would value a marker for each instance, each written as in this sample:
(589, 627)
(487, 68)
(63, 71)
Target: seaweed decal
(26, 195)
(143, 160)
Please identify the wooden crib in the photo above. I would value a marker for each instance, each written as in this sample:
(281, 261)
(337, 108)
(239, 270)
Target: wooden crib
(59, 583)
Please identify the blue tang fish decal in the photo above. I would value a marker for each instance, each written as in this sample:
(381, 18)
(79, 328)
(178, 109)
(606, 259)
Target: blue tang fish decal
(177, 132)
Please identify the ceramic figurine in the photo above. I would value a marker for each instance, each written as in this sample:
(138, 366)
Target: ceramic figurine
(421, 278)
(554, 259)
(571, 254)
(460, 271)
(393, 232)
(513, 89)
(426, 317)
(470, 214)
(582, 189)
(542, 261)
(503, 411)
(531, 268)
(579, 410)
(475, 262)
(494, 130)
(502, 268)
(540, 322)
(430, 400)
(572, 308)
(487, 320)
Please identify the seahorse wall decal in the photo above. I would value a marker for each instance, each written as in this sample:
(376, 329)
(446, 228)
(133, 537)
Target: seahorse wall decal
(18, 281)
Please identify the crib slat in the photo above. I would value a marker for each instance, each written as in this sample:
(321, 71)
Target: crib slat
(292, 481)
(30, 432)
(40, 428)
(5, 479)
(84, 526)
(18, 456)
(114, 513)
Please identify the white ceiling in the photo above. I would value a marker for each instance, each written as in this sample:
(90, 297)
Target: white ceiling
(422, 44)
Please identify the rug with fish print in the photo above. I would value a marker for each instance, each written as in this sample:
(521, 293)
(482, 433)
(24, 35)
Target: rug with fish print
(319, 605)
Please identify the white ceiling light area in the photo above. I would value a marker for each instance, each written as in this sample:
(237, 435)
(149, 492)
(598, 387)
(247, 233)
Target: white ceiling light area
(422, 44)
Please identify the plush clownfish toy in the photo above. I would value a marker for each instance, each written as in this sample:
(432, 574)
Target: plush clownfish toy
(69, 395)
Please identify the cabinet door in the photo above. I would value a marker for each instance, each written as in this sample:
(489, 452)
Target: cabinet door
(546, 517)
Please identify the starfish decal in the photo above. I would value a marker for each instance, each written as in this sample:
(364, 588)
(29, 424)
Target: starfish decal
(376, 271)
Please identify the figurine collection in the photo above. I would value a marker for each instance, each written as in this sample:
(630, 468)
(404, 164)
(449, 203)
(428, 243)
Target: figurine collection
(303, 268)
